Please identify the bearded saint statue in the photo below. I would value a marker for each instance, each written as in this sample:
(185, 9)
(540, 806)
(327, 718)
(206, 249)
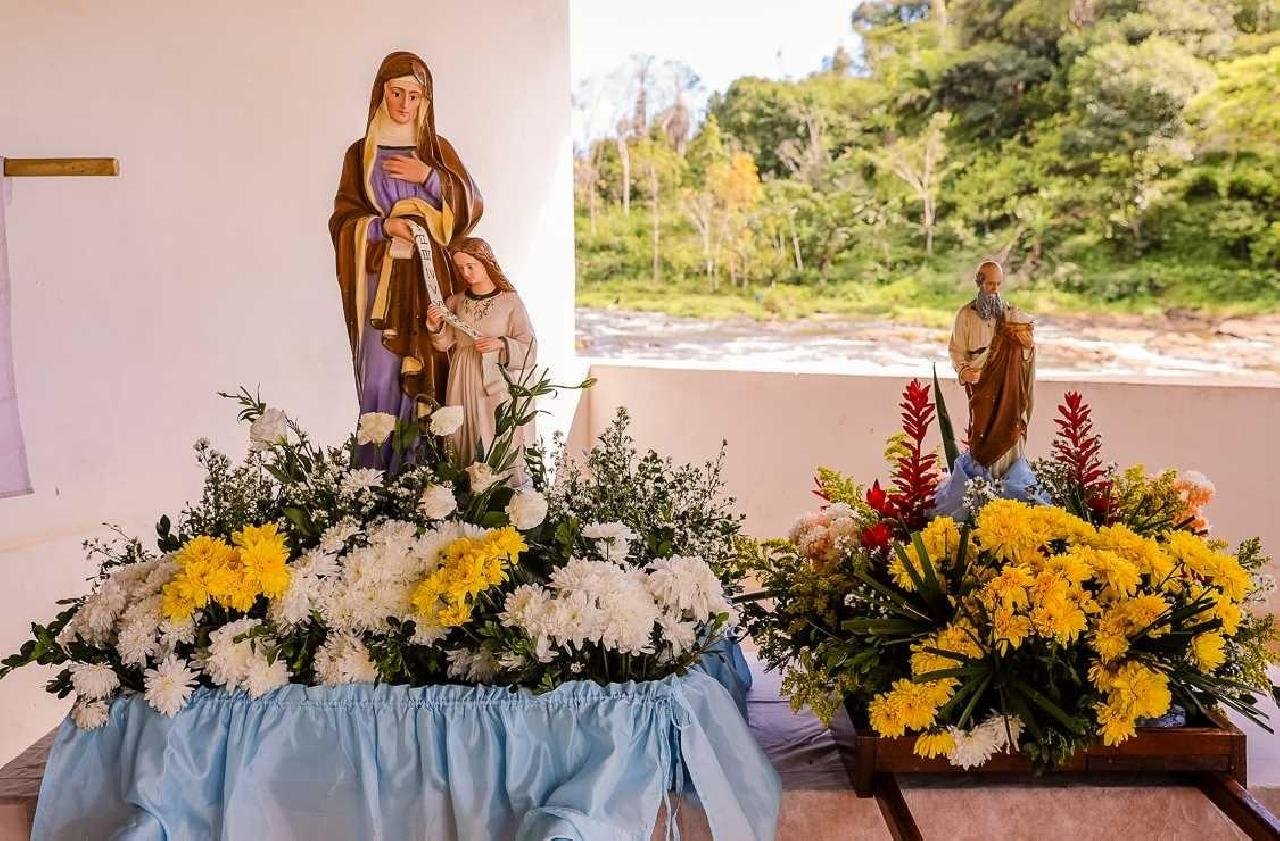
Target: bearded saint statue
(993, 351)
(400, 171)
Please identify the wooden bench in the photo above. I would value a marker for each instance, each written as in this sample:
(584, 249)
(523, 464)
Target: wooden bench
(1212, 757)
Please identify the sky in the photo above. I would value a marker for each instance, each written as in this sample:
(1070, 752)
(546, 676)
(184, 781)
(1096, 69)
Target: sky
(720, 39)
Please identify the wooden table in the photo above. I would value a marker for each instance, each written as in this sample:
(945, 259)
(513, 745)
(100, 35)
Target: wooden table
(1212, 757)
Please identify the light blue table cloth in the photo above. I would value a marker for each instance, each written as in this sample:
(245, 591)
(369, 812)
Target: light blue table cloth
(445, 763)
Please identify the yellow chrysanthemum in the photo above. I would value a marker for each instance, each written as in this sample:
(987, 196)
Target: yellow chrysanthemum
(1215, 567)
(1119, 622)
(468, 566)
(1139, 691)
(263, 560)
(1208, 651)
(1115, 725)
(941, 539)
(1230, 614)
(1008, 588)
(909, 706)
(1056, 614)
(1143, 552)
(205, 571)
(1058, 524)
(1118, 576)
(1102, 676)
(930, 745)
(1009, 628)
(959, 639)
(1007, 529)
(1074, 566)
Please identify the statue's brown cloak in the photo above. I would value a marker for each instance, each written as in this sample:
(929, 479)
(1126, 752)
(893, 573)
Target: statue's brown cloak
(399, 307)
(999, 402)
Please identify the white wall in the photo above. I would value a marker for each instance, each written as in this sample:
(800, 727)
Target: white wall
(207, 264)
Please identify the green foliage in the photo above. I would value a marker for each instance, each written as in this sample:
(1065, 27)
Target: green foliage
(1117, 153)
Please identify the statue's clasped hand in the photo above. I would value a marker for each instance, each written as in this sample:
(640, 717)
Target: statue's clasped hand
(487, 344)
(406, 168)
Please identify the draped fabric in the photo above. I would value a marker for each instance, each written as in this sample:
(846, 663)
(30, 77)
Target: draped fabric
(725, 662)
(14, 478)
(445, 763)
(999, 403)
(1018, 482)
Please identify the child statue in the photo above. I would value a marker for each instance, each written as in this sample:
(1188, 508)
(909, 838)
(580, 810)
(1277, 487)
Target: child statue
(993, 350)
(490, 306)
(401, 171)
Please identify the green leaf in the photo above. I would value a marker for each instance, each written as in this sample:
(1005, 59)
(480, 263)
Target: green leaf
(885, 627)
(944, 423)
(1073, 725)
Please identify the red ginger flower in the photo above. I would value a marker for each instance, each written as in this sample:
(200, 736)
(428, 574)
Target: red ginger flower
(1076, 446)
(915, 477)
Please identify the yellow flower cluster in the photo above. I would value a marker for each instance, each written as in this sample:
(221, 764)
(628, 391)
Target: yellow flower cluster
(1133, 691)
(909, 706)
(468, 567)
(234, 576)
(1059, 578)
(941, 539)
(939, 743)
(912, 704)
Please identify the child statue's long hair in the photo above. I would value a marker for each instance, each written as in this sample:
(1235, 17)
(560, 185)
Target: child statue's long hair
(480, 250)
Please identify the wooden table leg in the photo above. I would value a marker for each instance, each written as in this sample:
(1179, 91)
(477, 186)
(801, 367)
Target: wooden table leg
(897, 816)
(1240, 806)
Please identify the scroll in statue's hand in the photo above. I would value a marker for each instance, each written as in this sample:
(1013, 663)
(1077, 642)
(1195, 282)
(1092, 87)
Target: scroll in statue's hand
(406, 168)
(435, 315)
(487, 344)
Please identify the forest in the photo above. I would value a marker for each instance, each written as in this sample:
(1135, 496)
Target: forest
(1115, 155)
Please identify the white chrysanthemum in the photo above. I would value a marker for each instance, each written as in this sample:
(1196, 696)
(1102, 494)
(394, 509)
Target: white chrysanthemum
(482, 477)
(424, 634)
(173, 634)
(612, 539)
(608, 531)
(976, 746)
(270, 428)
(227, 663)
(90, 713)
(94, 680)
(525, 608)
(262, 677)
(396, 535)
(478, 667)
(360, 479)
(589, 602)
(302, 596)
(375, 428)
(138, 631)
(169, 685)
(97, 617)
(335, 538)
(446, 420)
(437, 502)
(681, 635)
(344, 659)
(527, 509)
(687, 586)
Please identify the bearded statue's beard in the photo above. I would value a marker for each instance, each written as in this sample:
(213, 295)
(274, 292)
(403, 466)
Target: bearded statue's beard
(989, 305)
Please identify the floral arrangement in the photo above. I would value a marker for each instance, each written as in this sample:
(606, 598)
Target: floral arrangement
(1022, 626)
(295, 566)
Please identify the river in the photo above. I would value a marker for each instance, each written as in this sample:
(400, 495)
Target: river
(1238, 351)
